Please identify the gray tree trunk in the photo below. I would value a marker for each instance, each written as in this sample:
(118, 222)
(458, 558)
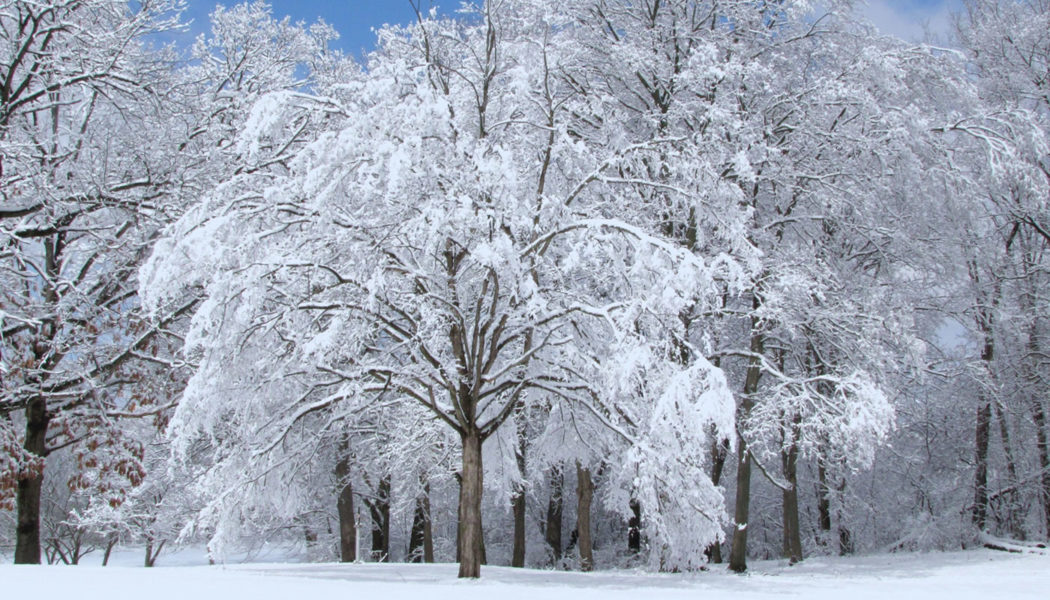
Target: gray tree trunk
(982, 429)
(421, 540)
(1036, 394)
(1012, 515)
(470, 533)
(823, 501)
(345, 509)
(719, 453)
(981, 434)
(738, 553)
(518, 499)
(789, 467)
(584, 494)
(634, 528)
(518, 508)
(153, 551)
(1043, 449)
(379, 508)
(552, 531)
(845, 537)
(738, 550)
(110, 543)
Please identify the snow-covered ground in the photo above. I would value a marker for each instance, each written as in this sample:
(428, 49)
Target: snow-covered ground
(980, 575)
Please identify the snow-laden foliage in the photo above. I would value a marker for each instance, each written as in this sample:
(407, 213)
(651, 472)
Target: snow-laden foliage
(85, 163)
(104, 140)
(463, 227)
(628, 249)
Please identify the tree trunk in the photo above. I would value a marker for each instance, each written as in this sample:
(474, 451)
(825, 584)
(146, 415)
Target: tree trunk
(27, 499)
(738, 553)
(1035, 394)
(584, 494)
(845, 542)
(845, 537)
(309, 535)
(982, 430)
(1013, 517)
(152, 552)
(823, 501)
(634, 528)
(470, 489)
(980, 496)
(1034, 359)
(719, 453)
(518, 507)
(110, 543)
(518, 499)
(789, 466)
(552, 532)
(345, 509)
(1043, 448)
(421, 540)
(379, 508)
(76, 549)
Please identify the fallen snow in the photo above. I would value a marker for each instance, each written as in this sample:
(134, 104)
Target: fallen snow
(980, 575)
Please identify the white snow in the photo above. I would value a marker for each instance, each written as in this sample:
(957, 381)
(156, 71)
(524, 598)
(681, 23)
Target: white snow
(978, 575)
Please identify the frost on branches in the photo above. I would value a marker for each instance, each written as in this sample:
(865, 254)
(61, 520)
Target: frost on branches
(461, 232)
(104, 139)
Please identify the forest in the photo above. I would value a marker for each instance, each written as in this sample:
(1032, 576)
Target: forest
(574, 284)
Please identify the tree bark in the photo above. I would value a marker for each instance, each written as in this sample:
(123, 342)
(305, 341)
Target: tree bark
(982, 430)
(1043, 448)
(1037, 384)
(789, 465)
(552, 531)
(1036, 392)
(823, 501)
(634, 528)
(518, 499)
(27, 498)
(845, 537)
(345, 509)
(518, 508)
(584, 495)
(738, 553)
(110, 543)
(719, 453)
(379, 508)
(152, 552)
(421, 540)
(980, 495)
(1014, 520)
(470, 535)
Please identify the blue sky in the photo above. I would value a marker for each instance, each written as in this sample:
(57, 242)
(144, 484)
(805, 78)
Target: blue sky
(355, 19)
(909, 19)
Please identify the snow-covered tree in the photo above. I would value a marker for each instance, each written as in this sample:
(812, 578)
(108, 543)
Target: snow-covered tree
(463, 234)
(82, 185)
(103, 140)
(1009, 52)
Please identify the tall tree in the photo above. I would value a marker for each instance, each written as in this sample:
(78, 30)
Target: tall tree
(82, 178)
(500, 275)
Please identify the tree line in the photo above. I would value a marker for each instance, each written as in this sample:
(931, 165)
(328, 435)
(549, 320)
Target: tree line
(751, 278)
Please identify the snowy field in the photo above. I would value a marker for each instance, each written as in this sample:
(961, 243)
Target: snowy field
(980, 575)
